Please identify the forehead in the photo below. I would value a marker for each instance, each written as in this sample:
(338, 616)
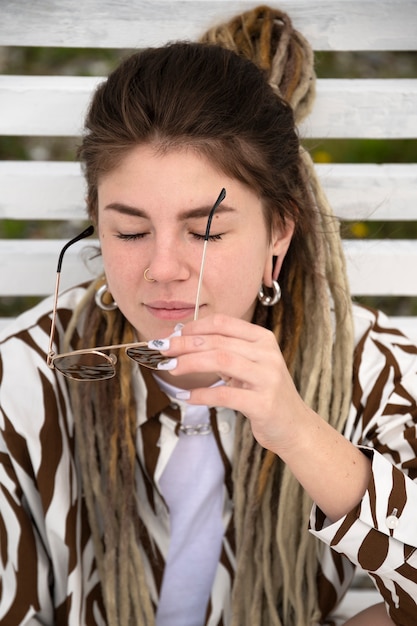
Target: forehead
(145, 158)
(180, 178)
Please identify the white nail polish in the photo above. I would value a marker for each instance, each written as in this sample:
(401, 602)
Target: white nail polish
(158, 344)
(169, 364)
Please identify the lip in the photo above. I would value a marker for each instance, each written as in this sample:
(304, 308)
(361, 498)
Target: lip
(170, 310)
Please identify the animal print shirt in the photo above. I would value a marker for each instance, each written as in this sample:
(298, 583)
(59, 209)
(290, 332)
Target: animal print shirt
(48, 573)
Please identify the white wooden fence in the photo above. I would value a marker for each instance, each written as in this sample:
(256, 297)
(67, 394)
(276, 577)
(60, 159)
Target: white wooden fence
(51, 106)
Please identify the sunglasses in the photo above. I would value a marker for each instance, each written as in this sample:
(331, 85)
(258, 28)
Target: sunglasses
(93, 363)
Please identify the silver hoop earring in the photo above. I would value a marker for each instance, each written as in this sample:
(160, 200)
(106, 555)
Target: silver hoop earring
(266, 300)
(145, 276)
(99, 299)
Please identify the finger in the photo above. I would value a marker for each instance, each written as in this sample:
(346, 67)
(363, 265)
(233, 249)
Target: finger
(191, 344)
(236, 336)
(237, 370)
(227, 326)
(250, 403)
(236, 399)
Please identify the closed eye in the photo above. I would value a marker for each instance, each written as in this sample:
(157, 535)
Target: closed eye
(130, 236)
(210, 237)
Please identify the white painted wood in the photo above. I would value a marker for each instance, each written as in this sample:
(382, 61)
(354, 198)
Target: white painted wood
(328, 24)
(378, 267)
(55, 190)
(373, 108)
(382, 266)
(44, 105)
(371, 192)
(29, 266)
(47, 190)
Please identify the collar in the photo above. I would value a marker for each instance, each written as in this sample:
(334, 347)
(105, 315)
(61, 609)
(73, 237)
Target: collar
(157, 401)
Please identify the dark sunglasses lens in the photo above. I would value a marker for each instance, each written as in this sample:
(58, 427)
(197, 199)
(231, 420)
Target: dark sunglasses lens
(146, 356)
(85, 366)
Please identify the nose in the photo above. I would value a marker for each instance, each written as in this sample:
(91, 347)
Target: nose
(168, 261)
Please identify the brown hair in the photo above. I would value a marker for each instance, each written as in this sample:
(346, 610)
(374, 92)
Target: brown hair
(205, 97)
(221, 106)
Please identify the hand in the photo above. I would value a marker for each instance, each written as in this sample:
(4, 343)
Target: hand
(258, 383)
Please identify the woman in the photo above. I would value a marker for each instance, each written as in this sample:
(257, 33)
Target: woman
(181, 494)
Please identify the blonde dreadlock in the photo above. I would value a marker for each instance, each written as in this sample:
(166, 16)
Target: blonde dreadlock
(266, 37)
(275, 582)
(106, 449)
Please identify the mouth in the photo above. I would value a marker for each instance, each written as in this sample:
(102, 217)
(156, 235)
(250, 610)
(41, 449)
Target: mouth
(173, 310)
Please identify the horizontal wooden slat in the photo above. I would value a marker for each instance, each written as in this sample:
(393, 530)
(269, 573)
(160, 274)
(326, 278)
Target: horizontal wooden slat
(371, 192)
(44, 105)
(375, 267)
(366, 108)
(29, 266)
(373, 108)
(55, 190)
(328, 24)
(43, 190)
(382, 267)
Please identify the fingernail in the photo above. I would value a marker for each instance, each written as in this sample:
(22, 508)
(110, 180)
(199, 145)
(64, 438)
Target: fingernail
(183, 395)
(158, 344)
(163, 344)
(169, 364)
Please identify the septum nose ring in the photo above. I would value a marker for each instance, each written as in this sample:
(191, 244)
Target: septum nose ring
(146, 277)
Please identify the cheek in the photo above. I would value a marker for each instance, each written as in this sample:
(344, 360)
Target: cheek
(239, 279)
(118, 268)
(249, 265)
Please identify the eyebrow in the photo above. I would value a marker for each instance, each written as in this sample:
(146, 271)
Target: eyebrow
(196, 212)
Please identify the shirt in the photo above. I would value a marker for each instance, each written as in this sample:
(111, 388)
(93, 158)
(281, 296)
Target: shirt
(47, 568)
(192, 487)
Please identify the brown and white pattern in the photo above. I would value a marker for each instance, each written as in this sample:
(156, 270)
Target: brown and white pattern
(47, 567)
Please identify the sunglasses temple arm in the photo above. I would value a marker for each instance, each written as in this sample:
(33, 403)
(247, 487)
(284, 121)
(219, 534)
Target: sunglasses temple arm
(86, 233)
(51, 337)
(220, 199)
(200, 280)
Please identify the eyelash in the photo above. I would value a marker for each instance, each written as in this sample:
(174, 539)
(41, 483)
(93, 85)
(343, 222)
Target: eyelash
(136, 236)
(132, 237)
(210, 238)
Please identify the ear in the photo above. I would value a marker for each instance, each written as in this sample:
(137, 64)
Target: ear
(280, 242)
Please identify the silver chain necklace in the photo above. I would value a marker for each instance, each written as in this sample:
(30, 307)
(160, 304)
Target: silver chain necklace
(196, 429)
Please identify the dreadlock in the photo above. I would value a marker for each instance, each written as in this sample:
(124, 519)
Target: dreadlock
(277, 559)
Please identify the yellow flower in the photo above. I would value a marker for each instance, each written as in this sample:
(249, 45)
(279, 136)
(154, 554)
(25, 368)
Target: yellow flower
(359, 230)
(321, 156)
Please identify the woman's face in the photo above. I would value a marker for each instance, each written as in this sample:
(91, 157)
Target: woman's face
(152, 213)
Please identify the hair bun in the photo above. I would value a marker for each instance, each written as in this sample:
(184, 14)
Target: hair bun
(266, 37)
